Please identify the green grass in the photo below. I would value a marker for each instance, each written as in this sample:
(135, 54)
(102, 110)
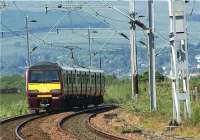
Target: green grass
(13, 104)
(120, 92)
(117, 91)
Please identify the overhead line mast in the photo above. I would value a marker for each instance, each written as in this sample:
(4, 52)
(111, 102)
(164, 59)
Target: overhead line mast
(179, 59)
(151, 53)
(134, 72)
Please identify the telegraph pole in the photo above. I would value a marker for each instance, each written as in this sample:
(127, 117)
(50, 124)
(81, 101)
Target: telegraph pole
(134, 73)
(27, 42)
(151, 50)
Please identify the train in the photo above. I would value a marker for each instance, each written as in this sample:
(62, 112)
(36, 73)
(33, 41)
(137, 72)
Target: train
(53, 87)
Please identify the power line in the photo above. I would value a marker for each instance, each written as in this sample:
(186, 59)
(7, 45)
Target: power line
(54, 26)
(16, 34)
(19, 9)
(104, 20)
(25, 16)
(109, 18)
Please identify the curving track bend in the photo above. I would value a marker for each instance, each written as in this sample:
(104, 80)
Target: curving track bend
(78, 125)
(8, 126)
(71, 125)
(44, 128)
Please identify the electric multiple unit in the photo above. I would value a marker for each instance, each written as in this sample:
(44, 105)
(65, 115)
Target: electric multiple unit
(52, 87)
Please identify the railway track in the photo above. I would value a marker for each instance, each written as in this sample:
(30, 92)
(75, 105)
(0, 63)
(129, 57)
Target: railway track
(80, 128)
(100, 132)
(8, 126)
(18, 133)
(70, 125)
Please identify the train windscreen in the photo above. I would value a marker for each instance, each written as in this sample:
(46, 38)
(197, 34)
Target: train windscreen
(44, 76)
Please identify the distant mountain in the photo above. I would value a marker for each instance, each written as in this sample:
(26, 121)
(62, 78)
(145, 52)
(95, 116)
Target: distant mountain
(111, 46)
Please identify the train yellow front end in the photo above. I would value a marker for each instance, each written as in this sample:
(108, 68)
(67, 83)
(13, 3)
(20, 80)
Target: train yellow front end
(44, 86)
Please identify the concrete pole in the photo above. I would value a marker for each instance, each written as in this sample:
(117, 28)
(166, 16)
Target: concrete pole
(27, 41)
(151, 49)
(134, 73)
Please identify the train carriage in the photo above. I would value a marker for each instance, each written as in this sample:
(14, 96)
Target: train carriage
(50, 86)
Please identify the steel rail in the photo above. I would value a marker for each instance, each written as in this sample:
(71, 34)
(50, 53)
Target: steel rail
(99, 109)
(100, 132)
(19, 127)
(16, 118)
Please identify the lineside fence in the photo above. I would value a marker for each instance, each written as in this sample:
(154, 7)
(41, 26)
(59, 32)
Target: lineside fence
(9, 90)
(195, 94)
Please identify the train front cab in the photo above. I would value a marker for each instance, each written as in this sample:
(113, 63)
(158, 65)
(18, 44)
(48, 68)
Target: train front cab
(44, 89)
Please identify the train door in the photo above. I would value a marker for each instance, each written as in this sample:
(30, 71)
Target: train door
(71, 82)
(81, 83)
(102, 84)
(65, 79)
(78, 80)
(98, 84)
(88, 83)
(92, 89)
(95, 84)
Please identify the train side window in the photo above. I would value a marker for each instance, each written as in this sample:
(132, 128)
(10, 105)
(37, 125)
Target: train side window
(65, 78)
(97, 78)
(74, 78)
(85, 78)
(77, 78)
(80, 78)
(93, 78)
(70, 78)
(88, 77)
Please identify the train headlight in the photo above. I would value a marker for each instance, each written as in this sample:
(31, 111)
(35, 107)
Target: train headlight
(56, 91)
(33, 91)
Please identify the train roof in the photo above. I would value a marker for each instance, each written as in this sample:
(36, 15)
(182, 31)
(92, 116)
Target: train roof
(44, 65)
(41, 65)
(82, 69)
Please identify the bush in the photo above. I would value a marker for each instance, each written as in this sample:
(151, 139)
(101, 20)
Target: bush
(195, 114)
(145, 76)
(13, 81)
(13, 104)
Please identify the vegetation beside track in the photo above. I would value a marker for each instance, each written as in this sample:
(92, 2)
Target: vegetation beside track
(13, 104)
(119, 91)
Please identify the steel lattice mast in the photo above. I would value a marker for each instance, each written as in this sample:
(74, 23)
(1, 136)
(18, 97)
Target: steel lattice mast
(179, 59)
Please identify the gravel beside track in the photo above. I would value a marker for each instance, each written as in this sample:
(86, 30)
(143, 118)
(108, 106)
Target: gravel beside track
(45, 128)
(103, 133)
